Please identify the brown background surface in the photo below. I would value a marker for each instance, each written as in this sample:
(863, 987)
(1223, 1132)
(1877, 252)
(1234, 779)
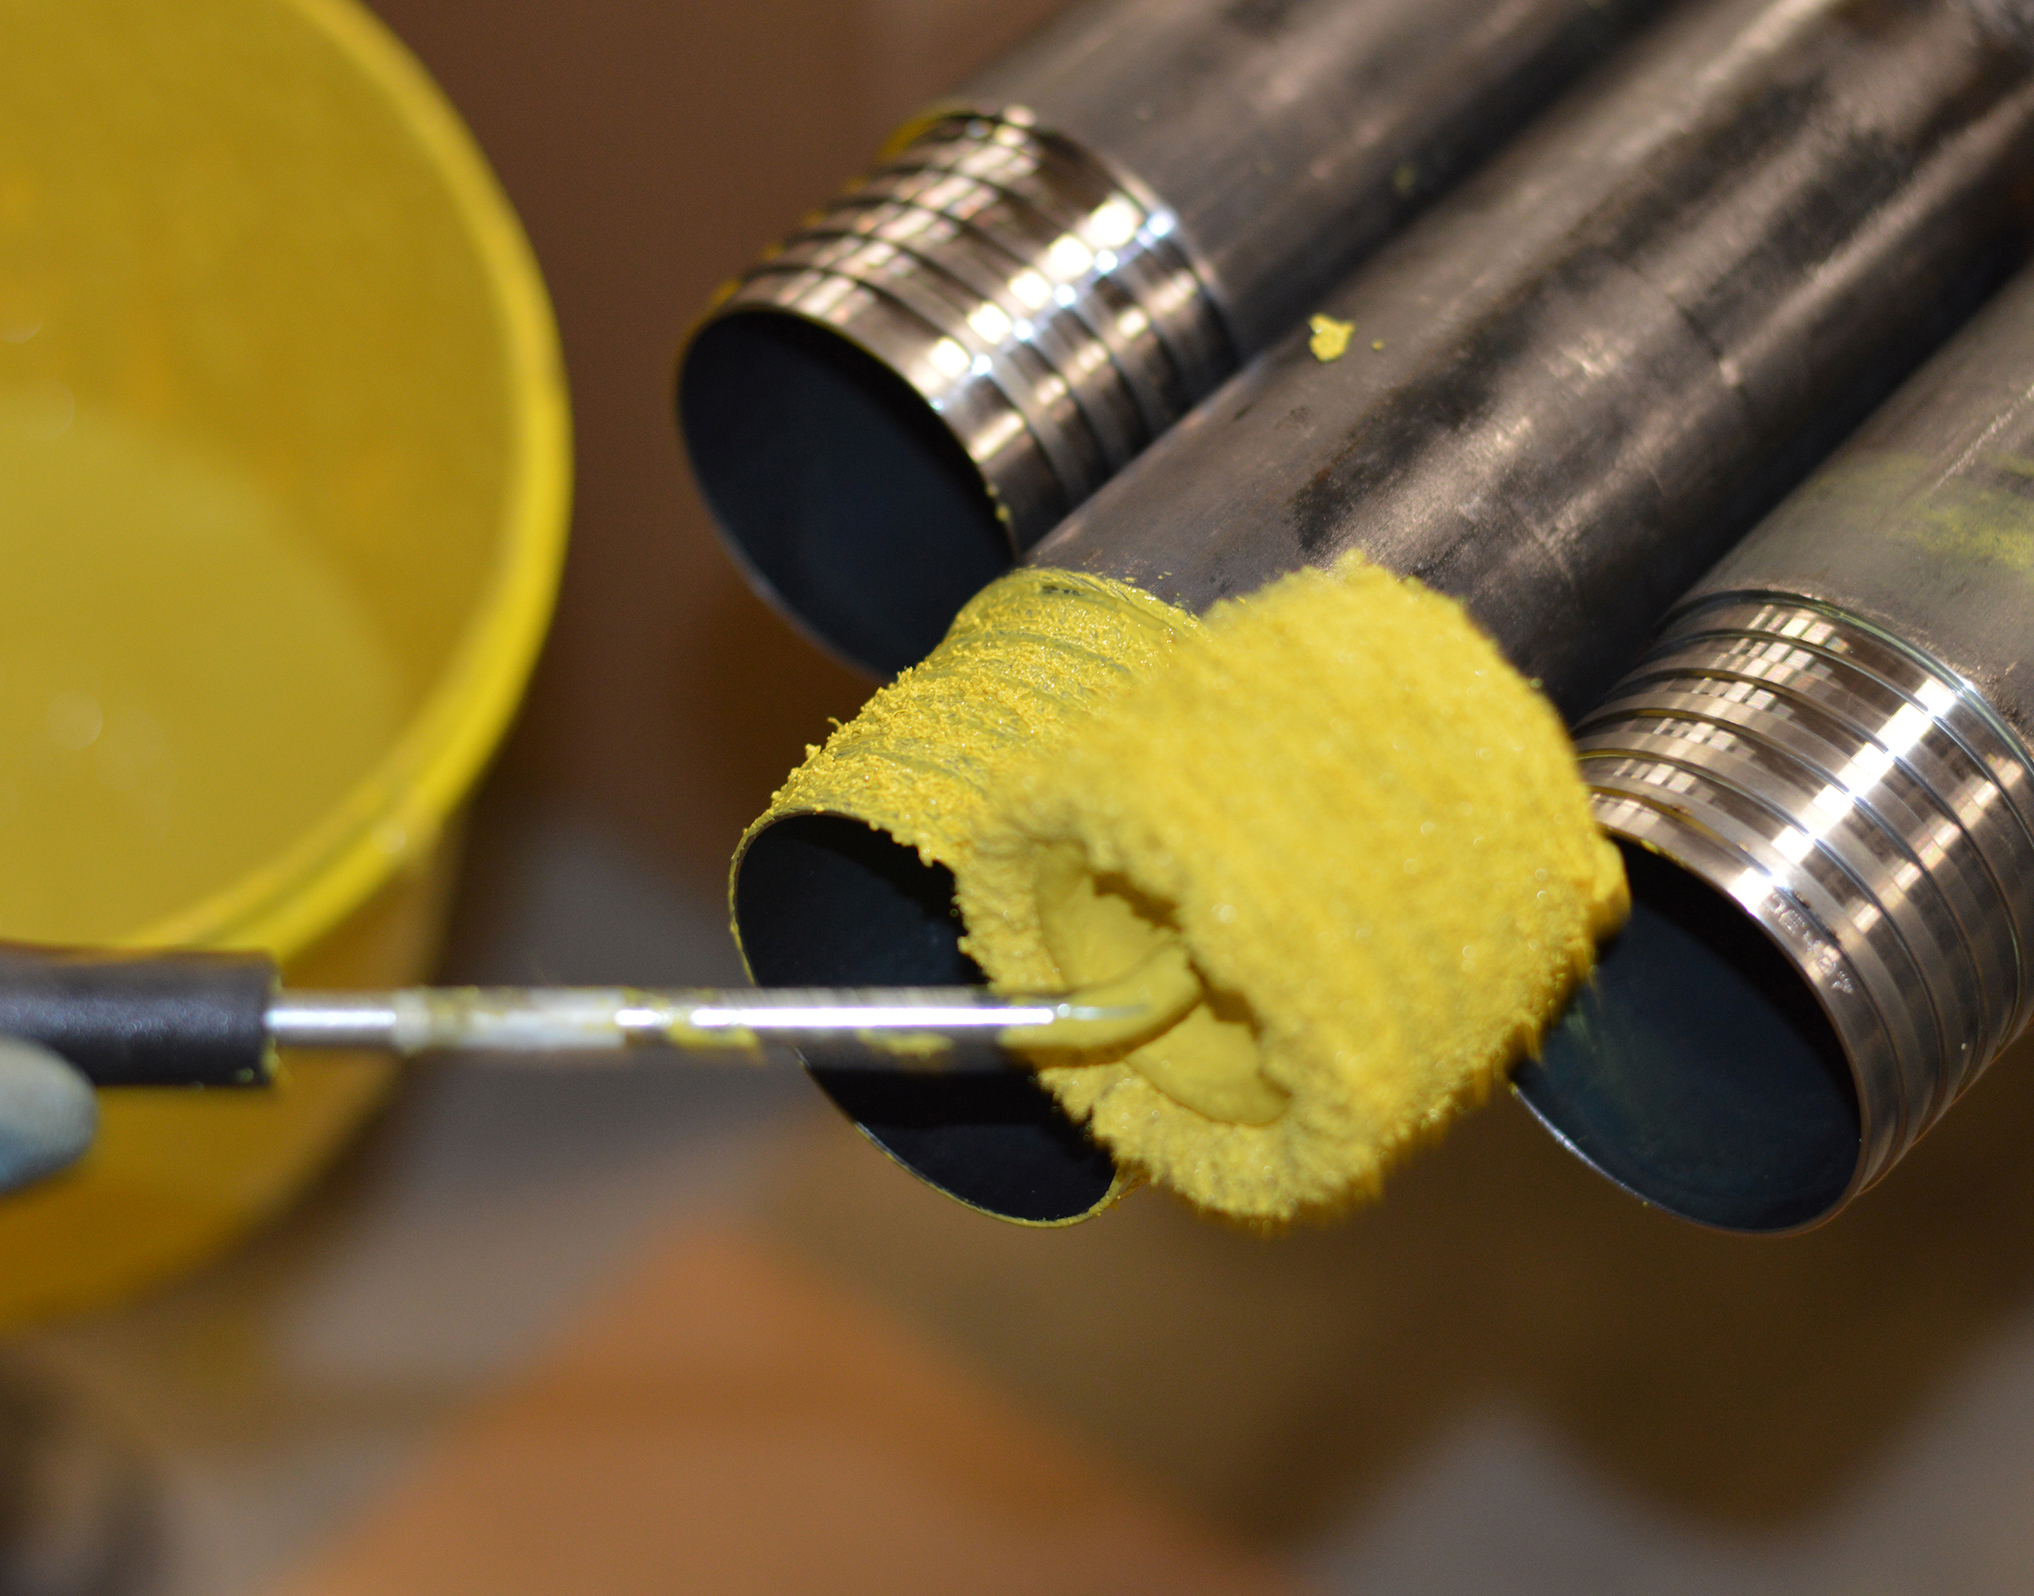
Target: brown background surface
(653, 149)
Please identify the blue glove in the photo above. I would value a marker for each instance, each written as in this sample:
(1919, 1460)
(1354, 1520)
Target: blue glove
(47, 1113)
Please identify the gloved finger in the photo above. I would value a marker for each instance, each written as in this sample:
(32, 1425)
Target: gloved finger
(48, 1113)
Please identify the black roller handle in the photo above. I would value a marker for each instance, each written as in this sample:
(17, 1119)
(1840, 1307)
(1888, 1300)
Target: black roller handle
(145, 1018)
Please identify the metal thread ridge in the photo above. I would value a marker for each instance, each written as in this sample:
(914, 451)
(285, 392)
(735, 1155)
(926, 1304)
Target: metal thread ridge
(1866, 806)
(1043, 306)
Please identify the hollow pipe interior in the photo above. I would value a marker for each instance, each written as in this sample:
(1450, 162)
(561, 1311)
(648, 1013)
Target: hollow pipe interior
(864, 520)
(822, 900)
(1696, 1068)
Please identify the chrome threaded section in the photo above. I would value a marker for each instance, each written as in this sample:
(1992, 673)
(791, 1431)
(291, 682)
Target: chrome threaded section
(1865, 806)
(1043, 306)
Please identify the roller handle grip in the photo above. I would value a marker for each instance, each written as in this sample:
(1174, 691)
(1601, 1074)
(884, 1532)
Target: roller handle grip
(143, 1019)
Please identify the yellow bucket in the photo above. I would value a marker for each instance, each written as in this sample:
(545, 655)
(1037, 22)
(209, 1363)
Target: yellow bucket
(284, 468)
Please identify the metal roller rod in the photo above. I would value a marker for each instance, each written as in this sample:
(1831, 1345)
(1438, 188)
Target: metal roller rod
(597, 1019)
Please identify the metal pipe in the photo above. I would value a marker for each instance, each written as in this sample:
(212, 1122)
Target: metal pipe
(1579, 379)
(1571, 386)
(1824, 758)
(1047, 271)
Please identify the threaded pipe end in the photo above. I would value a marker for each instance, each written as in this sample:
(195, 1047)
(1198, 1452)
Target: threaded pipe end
(1865, 807)
(1043, 309)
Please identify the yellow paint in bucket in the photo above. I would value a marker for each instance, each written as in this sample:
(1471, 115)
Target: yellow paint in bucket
(283, 478)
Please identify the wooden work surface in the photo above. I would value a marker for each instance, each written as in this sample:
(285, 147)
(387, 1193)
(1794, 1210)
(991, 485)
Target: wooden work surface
(728, 1423)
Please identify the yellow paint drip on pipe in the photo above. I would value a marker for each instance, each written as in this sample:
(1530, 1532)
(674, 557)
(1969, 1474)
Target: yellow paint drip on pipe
(1362, 826)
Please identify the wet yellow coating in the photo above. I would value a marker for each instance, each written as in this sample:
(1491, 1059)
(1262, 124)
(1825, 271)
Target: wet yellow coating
(1330, 340)
(713, 1039)
(1091, 926)
(1363, 828)
(921, 1049)
(1153, 995)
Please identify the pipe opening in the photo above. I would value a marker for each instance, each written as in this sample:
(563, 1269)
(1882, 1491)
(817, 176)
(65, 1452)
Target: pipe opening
(1697, 1070)
(823, 900)
(837, 486)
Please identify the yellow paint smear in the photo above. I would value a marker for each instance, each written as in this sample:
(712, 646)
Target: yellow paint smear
(1330, 340)
(1361, 825)
(921, 1048)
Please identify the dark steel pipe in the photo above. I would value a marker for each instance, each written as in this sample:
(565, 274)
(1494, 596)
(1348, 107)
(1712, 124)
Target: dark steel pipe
(1601, 360)
(1824, 759)
(1048, 271)
(1604, 355)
